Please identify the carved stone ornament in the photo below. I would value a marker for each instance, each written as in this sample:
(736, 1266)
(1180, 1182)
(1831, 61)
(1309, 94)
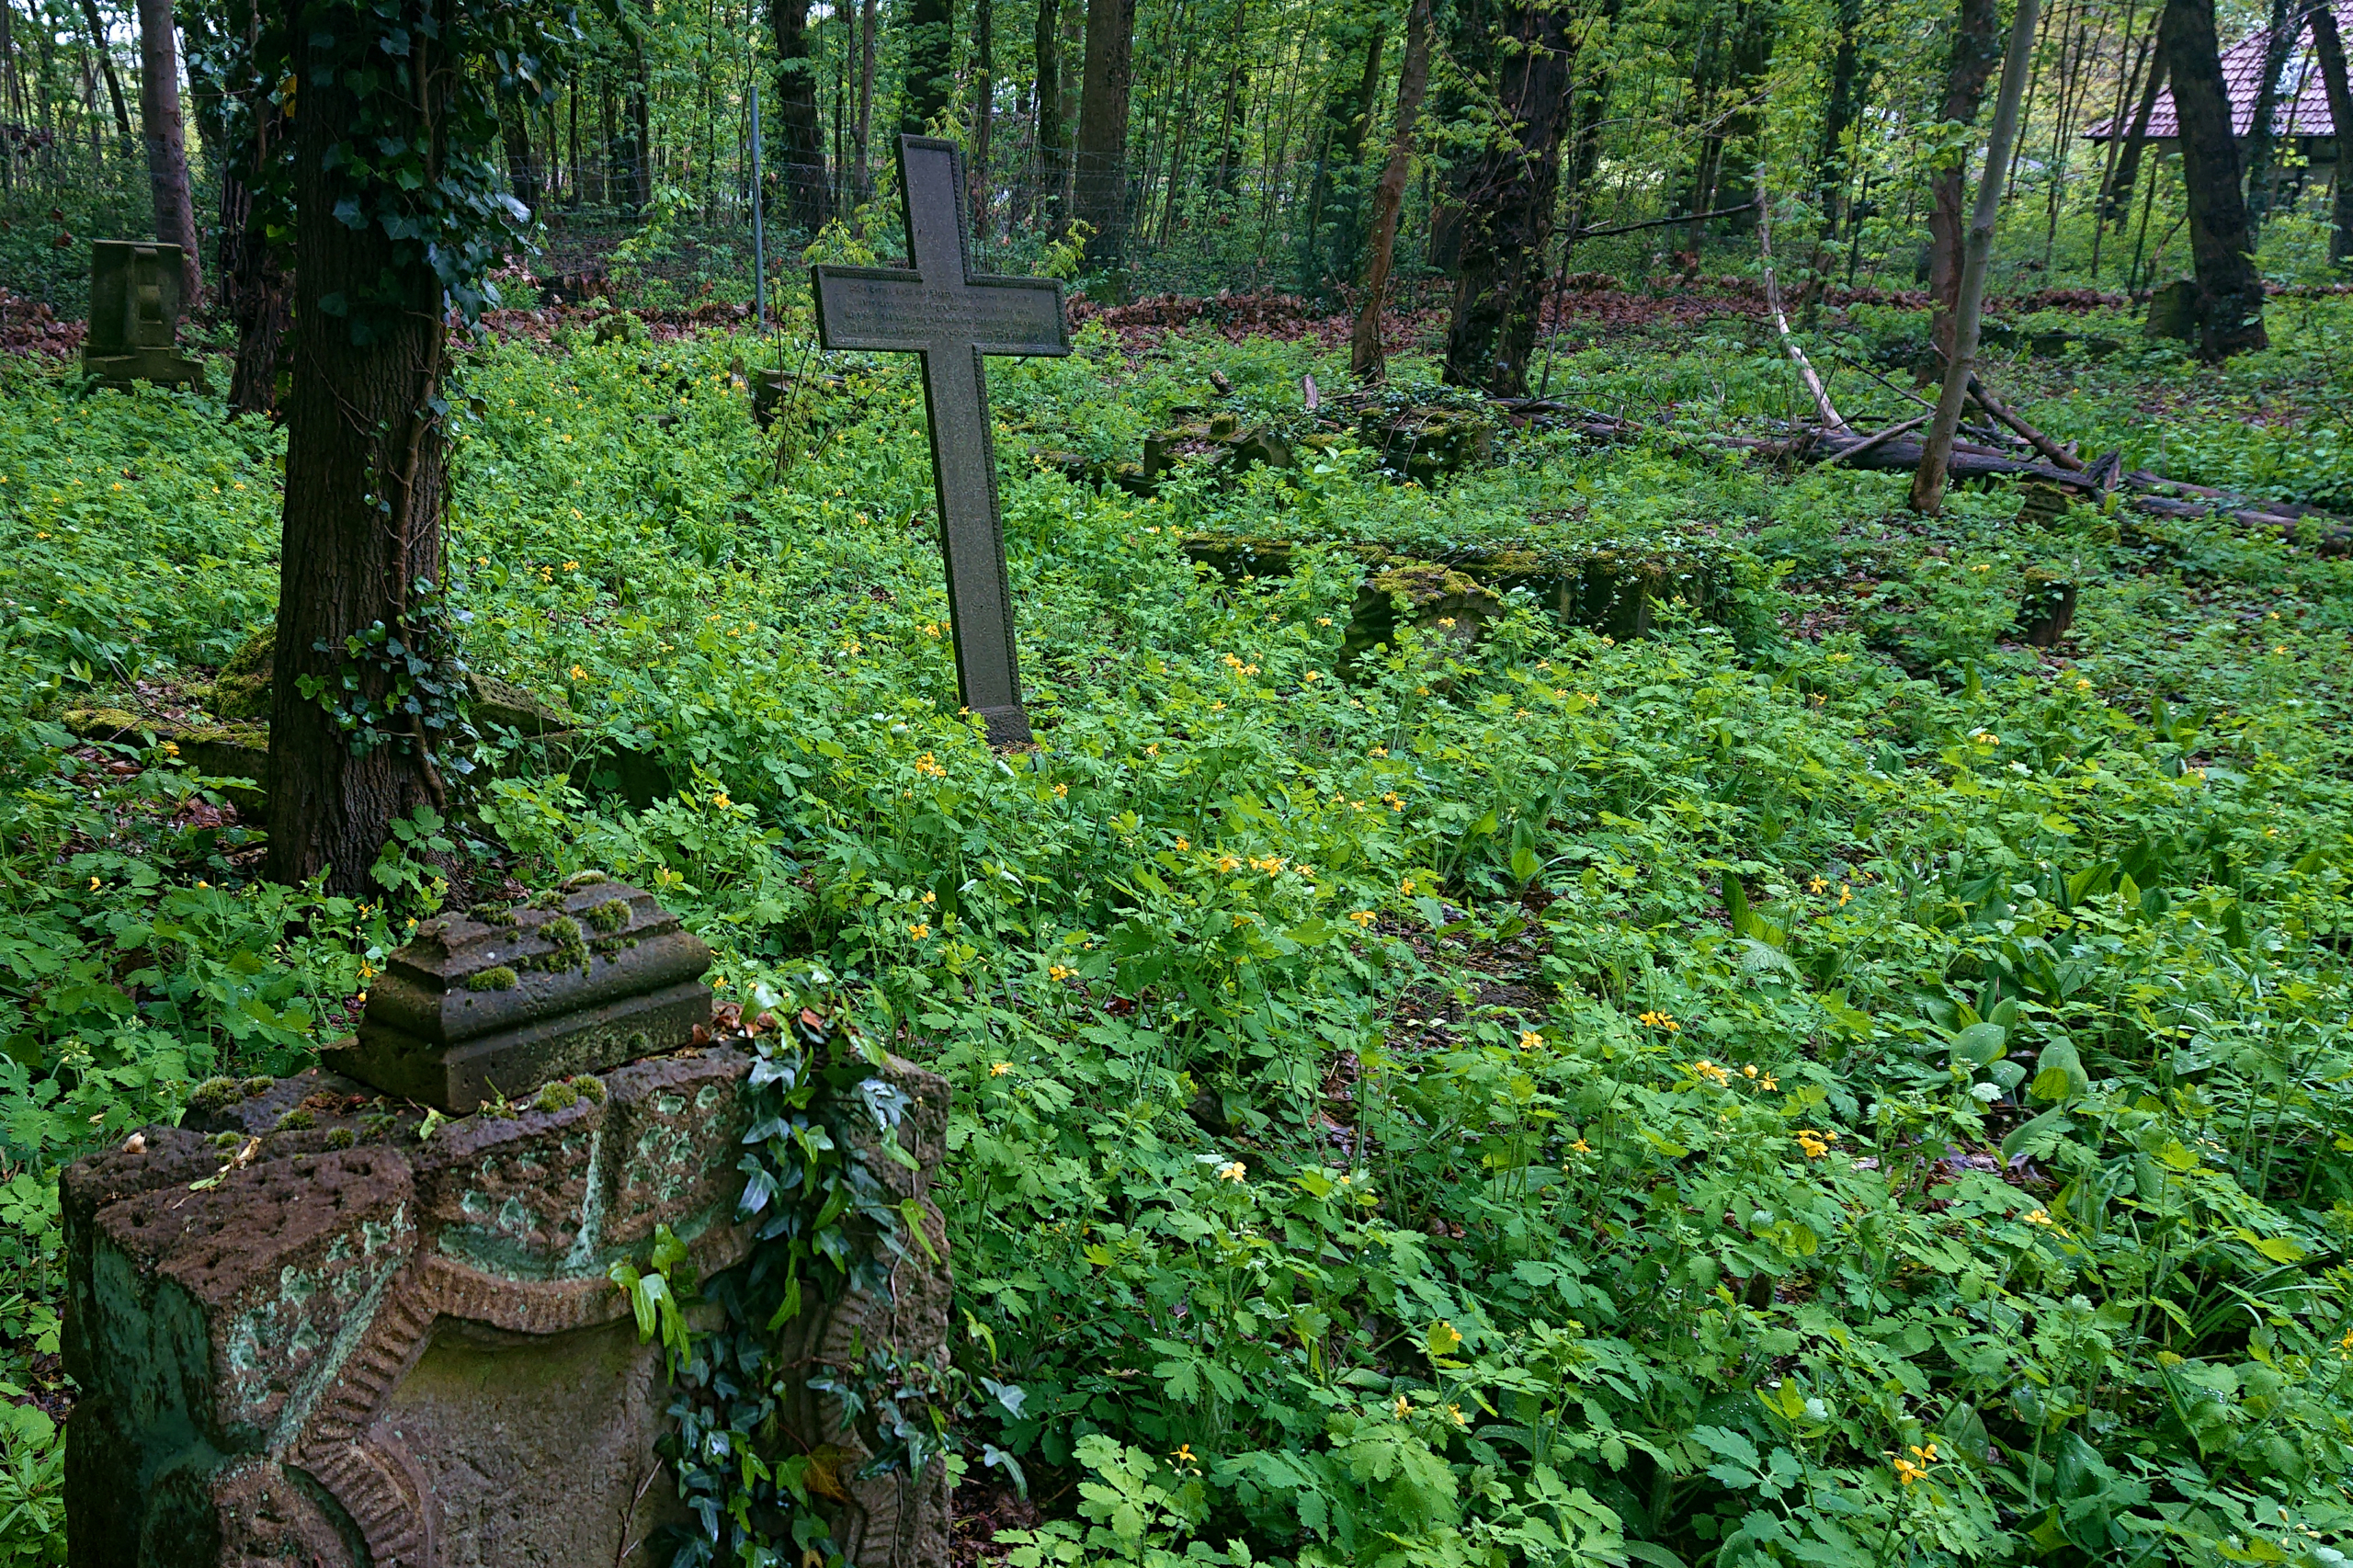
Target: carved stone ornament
(305, 1336)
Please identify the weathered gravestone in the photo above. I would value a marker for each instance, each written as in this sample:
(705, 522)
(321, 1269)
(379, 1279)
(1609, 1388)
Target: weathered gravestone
(135, 315)
(306, 1334)
(938, 308)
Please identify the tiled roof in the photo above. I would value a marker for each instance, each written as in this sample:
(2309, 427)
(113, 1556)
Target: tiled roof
(2303, 113)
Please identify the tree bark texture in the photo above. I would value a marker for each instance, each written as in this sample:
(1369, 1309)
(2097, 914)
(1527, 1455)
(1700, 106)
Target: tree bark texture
(1929, 480)
(1499, 286)
(931, 66)
(1976, 47)
(1366, 360)
(801, 137)
(2229, 290)
(1101, 184)
(2328, 48)
(159, 112)
(364, 494)
(868, 20)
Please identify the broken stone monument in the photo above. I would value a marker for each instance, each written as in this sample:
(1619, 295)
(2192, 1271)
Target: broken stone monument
(314, 1325)
(135, 317)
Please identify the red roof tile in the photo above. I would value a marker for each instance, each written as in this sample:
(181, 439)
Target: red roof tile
(2300, 113)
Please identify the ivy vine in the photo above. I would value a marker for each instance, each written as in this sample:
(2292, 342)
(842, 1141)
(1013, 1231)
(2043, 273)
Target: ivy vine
(822, 1223)
(407, 687)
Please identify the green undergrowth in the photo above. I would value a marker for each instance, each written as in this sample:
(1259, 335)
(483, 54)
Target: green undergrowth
(1823, 1083)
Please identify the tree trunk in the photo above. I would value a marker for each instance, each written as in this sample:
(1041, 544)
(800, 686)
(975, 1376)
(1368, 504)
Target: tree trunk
(867, 22)
(930, 81)
(1102, 160)
(1366, 360)
(2328, 45)
(1499, 287)
(1046, 116)
(159, 111)
(977, 159)
(1229, 113)
(1976, 46)
(2127, 178)
(1072, 77)
(254, 284)
(1591, 104)
(1844, 105)
(1929, 480)
(2261, 132)
(799, 134)
(2229, 290)
(106, 69)
(515, 136)
(364, 495)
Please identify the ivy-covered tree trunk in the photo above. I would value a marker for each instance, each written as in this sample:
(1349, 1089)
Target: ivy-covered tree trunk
(1101, 183)
(931, 66)
(1976, 48)
(364, 474)
(2229, 290)
(801, 136)
(1509, 194)
(2328, 49)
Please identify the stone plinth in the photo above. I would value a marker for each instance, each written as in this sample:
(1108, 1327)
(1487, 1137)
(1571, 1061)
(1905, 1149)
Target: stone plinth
(135, 315)
(495, 1003)
(306, 1336)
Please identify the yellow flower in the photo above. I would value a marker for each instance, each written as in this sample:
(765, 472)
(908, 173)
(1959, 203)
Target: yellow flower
(1381, 751)
(1061, 792)
(1232, 1173)
(1153, 750)
(2082, 685)
(1986, 738)
(1769, 1082)
(93, 884)
(919, 930)
(721, 800)
(999, 1069)
(1456, 1411)
(171, 748)
(2037, 1217)
(578, 673)
(1749, 1071)
(1582, 1147)
(1217, 707)
(1183, 844)
(1908, 1472)
(1362, 916)
(1406, 887)
(1323, 620)
(1059, 972)
(1817, 884)
(1183, 1453)
(1815, 1144)
(1845, 893)
(1311, 675)
(930, 766)
(1405, 1406)
(1659, 1021)
(1703, 1068)
(1395, 804)
(931, 629)
(1226, 863)
(1530, 1039)
(572, 566)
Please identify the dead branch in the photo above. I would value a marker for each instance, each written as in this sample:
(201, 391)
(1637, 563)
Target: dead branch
(1830, 420)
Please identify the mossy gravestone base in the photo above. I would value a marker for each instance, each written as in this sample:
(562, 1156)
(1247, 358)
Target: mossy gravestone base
(304, 1333)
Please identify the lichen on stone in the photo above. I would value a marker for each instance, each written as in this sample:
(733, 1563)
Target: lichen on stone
(579, 880)
(257, 1086)
(555, 1096)
(296, 1120)
(341, 1138)
(498, 977)
(608, 916)
(589, 1087)
(569, 948)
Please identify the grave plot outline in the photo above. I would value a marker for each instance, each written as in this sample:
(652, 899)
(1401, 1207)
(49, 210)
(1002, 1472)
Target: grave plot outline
(940, 310)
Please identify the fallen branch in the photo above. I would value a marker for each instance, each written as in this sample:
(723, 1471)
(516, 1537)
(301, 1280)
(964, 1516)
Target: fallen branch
(1830, 420)
(2049, 449)
(1659, 223)
(1872, 443)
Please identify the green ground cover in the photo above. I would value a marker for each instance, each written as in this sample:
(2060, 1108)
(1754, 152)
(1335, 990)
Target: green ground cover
(1821, 1083)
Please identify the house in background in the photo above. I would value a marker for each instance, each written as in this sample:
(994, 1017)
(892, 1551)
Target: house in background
(2302, 121)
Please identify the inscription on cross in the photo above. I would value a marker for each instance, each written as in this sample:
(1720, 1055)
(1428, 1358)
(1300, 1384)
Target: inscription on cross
(941, 309)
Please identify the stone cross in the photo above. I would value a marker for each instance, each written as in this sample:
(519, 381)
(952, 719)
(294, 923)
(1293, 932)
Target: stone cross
(941, 309)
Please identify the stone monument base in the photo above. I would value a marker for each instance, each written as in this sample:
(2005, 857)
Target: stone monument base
(306, 1336)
